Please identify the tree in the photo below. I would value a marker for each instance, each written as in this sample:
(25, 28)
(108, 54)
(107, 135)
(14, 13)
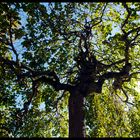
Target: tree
(81, 55)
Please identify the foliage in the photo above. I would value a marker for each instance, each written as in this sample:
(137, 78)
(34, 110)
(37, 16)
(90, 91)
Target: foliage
(39, 44)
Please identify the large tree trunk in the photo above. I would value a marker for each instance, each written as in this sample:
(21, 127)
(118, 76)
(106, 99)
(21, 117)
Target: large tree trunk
(76, 115)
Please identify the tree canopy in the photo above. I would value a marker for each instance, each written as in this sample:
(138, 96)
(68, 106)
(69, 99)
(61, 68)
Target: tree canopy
(47, 50)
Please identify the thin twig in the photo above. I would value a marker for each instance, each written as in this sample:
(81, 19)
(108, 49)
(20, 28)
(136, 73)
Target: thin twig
(125, 101)
(100, 17)
(11, 39)
(126, 20)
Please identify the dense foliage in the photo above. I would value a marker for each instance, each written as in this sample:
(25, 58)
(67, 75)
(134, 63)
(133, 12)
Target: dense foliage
(43, 41)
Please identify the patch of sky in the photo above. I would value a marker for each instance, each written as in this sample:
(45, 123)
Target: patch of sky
(42, 106)
(19, 101)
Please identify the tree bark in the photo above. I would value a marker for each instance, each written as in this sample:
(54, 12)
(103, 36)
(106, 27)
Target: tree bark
(76, 115)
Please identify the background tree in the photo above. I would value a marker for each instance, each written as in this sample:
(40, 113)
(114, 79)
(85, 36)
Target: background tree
(84, 56)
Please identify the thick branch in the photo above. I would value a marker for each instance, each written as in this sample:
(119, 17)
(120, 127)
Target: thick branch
(48, 77)
(11, 62)
(34, 93)
(54, 83)
(110, 75)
